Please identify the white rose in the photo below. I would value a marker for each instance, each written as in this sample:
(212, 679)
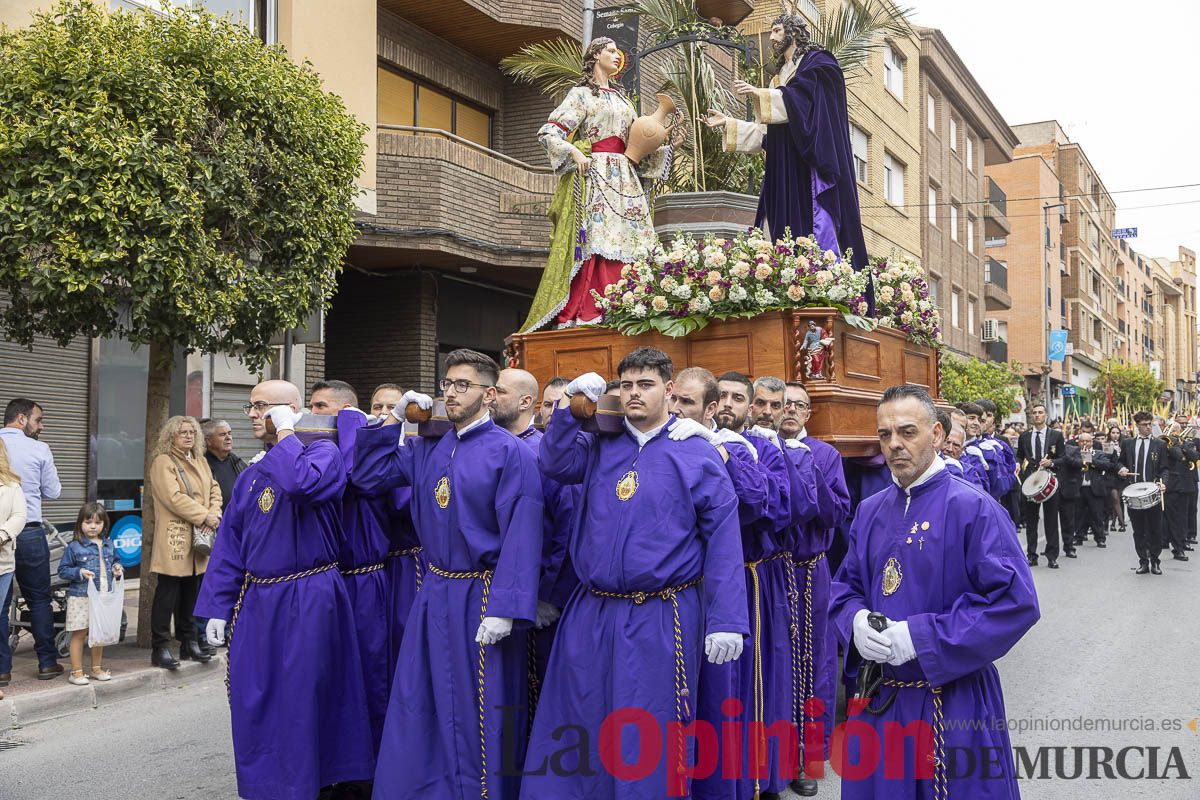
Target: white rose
(638, 310)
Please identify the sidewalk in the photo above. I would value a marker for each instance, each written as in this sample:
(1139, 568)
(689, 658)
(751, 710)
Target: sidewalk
(28, 700)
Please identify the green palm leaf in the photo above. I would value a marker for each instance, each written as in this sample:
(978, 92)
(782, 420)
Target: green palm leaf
(853, 30)
(553, 67)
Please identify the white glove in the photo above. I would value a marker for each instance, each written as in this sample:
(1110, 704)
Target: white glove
(872, 644)
(725, 436)
(770, 434)
(795, 444)
(589, 384)
(214, 631)
(423, 401)
(684, 428)
(723, 647)
(283, 418)
(903, 650)
(547, 615)
(493, 629)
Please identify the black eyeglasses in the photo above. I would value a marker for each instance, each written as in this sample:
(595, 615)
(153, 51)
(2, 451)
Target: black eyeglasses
(800, 404)
(460, 386)
(261, 406)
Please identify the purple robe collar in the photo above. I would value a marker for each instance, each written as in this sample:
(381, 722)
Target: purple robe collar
(483, 422)
(644, 439)
(927, 477)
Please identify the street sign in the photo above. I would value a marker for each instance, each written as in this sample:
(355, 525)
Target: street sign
(1057, 348)
(1124, 233)
(1068, 391)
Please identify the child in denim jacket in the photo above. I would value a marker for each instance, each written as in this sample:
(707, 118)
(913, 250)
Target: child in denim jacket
(91, 557)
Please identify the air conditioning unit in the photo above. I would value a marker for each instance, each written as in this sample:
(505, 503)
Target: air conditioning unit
(991, 330)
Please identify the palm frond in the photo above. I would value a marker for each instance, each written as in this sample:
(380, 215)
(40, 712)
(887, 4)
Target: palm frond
(553, 67)
(662, 18)
(854, 30)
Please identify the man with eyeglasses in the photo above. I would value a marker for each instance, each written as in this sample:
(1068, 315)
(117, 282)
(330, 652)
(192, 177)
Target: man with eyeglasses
(810, 544)
(457, 710)
(273, 589)
(659, 559)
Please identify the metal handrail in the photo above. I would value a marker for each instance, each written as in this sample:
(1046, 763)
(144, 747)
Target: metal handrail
(487, 151)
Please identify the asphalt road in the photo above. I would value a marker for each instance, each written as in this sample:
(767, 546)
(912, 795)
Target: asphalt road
(1113, 651)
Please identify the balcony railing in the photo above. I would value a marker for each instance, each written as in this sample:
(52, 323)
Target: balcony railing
(997, 351)
(997, 197)
(995, 273)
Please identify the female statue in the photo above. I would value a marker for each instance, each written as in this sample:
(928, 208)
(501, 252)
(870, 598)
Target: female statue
(600, 214)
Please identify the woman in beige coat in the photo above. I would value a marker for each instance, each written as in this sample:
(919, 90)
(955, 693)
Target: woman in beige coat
(185, 494)
(12, 522)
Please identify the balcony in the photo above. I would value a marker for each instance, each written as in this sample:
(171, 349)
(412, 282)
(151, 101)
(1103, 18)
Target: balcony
(997, 351)
(996, 212)
(445, 202)
(491, 29)
(995, 289)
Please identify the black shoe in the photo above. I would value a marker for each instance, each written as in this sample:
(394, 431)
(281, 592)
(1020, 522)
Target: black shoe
(1188, 547)
(1180, 557)
(50, 673)
(1155, 569)
(1078, 540)
(1100, 543)
(1052, 563)
(1071, 554)
(805, 787)
(1032, 560)
(210, 649)
(5, 679)
(1142, 569)
(1122, 528)
(190, 651)
(161, 657)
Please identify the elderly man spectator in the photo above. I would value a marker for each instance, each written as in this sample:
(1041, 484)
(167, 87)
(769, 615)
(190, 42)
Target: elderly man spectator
(225, 464)
(34, 463)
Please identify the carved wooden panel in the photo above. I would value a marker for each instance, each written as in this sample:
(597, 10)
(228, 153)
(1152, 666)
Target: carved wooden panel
(862, 358)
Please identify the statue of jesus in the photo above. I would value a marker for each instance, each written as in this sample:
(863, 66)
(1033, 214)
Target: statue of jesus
(801, 122)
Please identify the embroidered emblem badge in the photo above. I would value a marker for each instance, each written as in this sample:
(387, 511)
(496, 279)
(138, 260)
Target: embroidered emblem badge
(266, 500)
(441, 492)
(627, 486)
(892, 576)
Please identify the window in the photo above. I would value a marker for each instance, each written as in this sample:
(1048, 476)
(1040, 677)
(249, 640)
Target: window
(933, 205)
(971, 317)
(401, 100)
(970, 234)
(258, 15)
(893, 180)
(953, 134)
(955, 296)
(931, 112)
(935, 290)
(970, 153)
(858, 144)
(893, 72)
(953, 222)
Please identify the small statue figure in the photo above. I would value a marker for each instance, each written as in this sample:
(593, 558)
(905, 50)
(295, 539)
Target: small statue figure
(816, 350)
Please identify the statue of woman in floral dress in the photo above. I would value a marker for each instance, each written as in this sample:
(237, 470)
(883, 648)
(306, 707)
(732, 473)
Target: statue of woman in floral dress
(600, 215)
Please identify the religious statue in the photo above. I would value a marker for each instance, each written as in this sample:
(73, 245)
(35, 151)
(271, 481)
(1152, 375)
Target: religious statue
(816, 350)
(600, 215)
(801, 122)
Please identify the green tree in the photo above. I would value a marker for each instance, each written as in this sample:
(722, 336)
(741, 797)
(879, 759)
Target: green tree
(168, 179)
(966, 379)
(1134, 386)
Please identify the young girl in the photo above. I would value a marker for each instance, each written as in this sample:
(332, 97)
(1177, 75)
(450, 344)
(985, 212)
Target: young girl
(90, 557)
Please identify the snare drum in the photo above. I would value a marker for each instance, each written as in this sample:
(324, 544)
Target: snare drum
(1040, 486)
(1139, 496)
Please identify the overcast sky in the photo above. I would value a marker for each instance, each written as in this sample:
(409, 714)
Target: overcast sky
(1123, 80)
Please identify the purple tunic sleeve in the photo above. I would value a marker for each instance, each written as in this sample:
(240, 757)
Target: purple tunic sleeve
(226, 568)
(306, 475)
(558, 576)
(514, 589)
(833, 501)
(982, 625)
(848, 594)
(717, 519)
(565, 449)
(778, 471)
(749, 484)
(380, 463)
(804, 486)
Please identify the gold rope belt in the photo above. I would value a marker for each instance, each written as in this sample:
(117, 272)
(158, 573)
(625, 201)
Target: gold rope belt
(940, 788)
(802, 655)
(365, 570)
(484, 575)
(415, 554)
(248, 579)
(671, 594)
(758, 732)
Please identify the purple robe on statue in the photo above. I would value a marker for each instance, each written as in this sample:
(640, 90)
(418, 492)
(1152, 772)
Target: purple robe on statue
(943, 556)
(296, 696)
(649, 519)
(809, 544)
(363, 564)
(477, 506)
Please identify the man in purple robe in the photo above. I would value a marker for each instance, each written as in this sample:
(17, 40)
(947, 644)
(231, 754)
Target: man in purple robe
(952, 452)
(810, 543)
(477, 506)
(516, 397)
(296, 696)
(657, 550)
(763, 480)
(809, 185)
(940, 560)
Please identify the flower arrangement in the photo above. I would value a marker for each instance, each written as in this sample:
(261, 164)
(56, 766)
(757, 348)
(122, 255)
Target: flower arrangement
(680, 288)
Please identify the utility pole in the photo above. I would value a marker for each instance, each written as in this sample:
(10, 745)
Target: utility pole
(589, 17)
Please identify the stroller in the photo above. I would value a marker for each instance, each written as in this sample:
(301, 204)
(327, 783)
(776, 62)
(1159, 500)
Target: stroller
(18, 621)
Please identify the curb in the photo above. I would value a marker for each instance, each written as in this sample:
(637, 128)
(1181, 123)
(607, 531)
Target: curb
(28, 709)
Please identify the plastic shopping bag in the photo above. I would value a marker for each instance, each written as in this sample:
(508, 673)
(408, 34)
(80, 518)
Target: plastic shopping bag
(104, 613)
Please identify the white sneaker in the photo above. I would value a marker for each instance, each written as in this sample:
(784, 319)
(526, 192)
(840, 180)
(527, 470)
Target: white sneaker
(77, 678)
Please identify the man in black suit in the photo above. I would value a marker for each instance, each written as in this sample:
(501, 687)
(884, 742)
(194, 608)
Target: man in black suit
(1143, 459)
(1039, 448)
(1083, 477)
(1180, 480)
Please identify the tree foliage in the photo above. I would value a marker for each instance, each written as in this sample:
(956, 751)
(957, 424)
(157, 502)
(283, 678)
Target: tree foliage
(1134, 386)
(968, 379)
(168, 179)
